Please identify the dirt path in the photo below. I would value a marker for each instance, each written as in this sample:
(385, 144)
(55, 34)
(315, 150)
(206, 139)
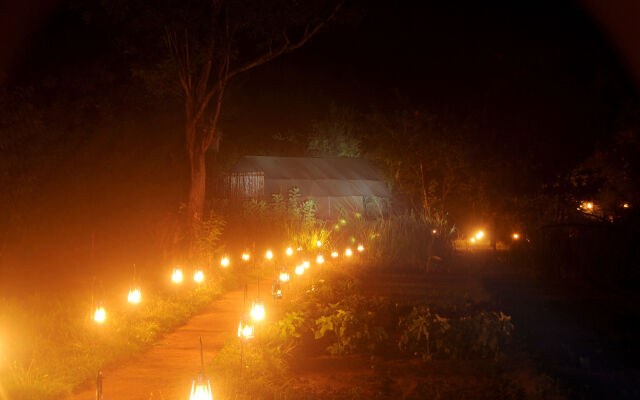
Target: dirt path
(165, 370)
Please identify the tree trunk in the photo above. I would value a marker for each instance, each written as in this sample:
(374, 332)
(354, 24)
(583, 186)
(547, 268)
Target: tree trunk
(425, 202)
(197, 184)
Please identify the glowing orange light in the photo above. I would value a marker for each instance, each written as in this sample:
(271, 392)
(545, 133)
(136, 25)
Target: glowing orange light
(201, 389)
(245, 330)
(334, 254)
(360, 248)
(300, 270)
(224, 262)
(516, 236)
(100, 315)
(269, 255)
(245, 256)
(348, 252)
(134, 296)
(319, 243)
(289, 251)
(284, 276)
(198, 276)
(306, 264)
(176, 276)
(626, 205)
(257, 310)
(473, 240)
(320, 259)
(479, 235)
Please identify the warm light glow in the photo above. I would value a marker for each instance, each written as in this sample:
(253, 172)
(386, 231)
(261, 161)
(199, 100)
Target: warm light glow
(177, 275)
(360, 248)
(284, 276)
(134, 296)
(319, 243)
(201, 390)
(334, 254)
(269, 255)
(479, 235)
(198, 276)
(245, 331)
(516, 236)
(300, 270)
(626, 205)
(245, 256)
(473, 240)
(434, 231)
(257, 310)
(224, 262)
(320, 259)
(289, 251)
(306, 264)
(299, 249)
(348, 252)
(100, 315)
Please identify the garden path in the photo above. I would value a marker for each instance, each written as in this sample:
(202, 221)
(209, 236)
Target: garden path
(165, 371)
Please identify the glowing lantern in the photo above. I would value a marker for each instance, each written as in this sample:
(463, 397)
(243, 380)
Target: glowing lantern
(245, 256)
(289, 251)
(479, 235)
(224, 262)
(320, 259)
(245, 330)
(300, 270)
(198, 276)
(306, 264)
(434, 231)
(516, 236)
(360, 248)
(299, 249)
(626, 205)
(134, 296)
(334, 254)
(100, 315)
(269, 255)
(257, 310)
(201, 387)
(276, 289)
(319, 243)
(176, 277)
(348, 252)
(473, 240)
(284, 276)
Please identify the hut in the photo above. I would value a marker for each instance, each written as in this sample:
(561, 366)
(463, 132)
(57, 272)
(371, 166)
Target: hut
(332, 183)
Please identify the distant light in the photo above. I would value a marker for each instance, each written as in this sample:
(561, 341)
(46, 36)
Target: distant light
(299, 249)
(360, 248)
(284, 276)
(473, 240)
(516, 236)
(334, 254)
(198, 276)
(626, 205)
(201, 389)
(257, 310)
(100, 315)
(348, 252)
(224, 262)
(343, 221)
(289, 251)
(269, 255)
(479, 235)
(306, 264)
(319, 259)
(245, 330)
(300, 270)
(246, 256)
(586, 206)
(176, 276)
(319, 243)
(434, 231)
(134, 296)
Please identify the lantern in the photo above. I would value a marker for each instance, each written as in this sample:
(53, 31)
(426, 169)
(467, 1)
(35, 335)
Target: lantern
(269, 255)
(284, 276)
(299, 249)
(99, 315)
(319, 243)
(320, 259)
(224, 262)
(626, 205)
(434, 231)
(276, 289)
(245, 329)
(306, 264)
(334, 254)
(176, 277)
(134, 296)
(473, 240)
(516, 236)
(348, 252)
(300, 270)
(289, 251)
(201, 386)
(245, 256)
(479, 235)
(198, 276)
(360, 248)
(257, 310)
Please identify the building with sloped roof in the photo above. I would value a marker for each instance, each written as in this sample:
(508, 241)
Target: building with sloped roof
(332, 183)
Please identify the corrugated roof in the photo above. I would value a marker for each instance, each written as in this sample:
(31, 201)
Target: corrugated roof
(316, 176)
